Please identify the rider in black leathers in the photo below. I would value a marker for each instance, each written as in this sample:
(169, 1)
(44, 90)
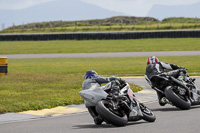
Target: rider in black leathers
(155, 67)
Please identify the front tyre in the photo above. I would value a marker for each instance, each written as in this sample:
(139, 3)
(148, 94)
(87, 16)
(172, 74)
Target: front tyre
(148, 115)
(179, 101)
(105, 110)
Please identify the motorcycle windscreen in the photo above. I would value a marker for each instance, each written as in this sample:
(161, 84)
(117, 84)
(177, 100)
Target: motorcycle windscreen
(93, 95)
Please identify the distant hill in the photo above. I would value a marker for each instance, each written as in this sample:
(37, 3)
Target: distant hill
(161, 11)
(106, 21)
(50, 12)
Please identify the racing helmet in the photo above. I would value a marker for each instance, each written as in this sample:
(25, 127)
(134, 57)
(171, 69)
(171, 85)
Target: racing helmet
(90, 73)
(152, 60)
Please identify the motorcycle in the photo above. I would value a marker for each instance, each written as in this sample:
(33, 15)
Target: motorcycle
(181, 92)
(117, 107)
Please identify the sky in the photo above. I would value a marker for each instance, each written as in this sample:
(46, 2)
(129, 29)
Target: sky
(20, 4)
(128, 7)
(138, 8)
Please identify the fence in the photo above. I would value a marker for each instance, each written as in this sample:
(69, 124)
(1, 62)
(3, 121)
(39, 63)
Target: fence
(101, 35)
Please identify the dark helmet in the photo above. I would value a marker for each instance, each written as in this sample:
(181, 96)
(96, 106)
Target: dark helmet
(152, 60)
(90, 73)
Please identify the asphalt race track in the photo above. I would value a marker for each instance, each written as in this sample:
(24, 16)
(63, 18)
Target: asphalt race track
(113, 54)
(168, 120)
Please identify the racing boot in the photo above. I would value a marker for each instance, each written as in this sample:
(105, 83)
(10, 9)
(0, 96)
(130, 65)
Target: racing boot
(98, 120)
(198, 92)
(164, 101)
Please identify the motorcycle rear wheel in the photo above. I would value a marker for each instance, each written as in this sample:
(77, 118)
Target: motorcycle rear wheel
(148, 115)
(104, 109)
(181, 103)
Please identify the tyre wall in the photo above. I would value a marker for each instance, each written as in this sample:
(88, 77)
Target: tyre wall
(101, 35)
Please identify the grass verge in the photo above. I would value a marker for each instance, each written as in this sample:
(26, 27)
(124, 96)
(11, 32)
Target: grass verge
(95, 46)
(33, 84)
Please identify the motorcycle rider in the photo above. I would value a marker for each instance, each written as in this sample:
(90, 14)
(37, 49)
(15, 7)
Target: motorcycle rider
(155, 67)
(92, 79)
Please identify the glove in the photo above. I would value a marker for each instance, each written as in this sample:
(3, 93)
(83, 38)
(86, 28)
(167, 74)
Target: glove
(120, 82)
(181, 67)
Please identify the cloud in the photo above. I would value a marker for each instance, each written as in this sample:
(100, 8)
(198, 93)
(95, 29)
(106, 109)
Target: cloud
(136, 7)
(20, 4)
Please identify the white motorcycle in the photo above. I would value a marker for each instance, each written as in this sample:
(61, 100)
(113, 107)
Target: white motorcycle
(117, 107)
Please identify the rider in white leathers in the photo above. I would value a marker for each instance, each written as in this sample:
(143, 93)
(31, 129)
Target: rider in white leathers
(94, 81)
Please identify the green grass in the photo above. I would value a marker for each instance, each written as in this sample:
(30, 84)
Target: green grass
(93, 46)
(106, 66)
(142, 26)
(46, 83)
(21, 91)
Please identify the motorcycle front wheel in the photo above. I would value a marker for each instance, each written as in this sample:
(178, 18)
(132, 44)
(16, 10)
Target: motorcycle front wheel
(148, 115)
(179, 101)
(115, 117)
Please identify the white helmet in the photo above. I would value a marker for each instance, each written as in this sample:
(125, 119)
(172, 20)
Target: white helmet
(152, 60)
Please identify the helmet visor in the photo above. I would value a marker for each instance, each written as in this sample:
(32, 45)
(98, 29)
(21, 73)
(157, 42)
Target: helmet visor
(89, 75)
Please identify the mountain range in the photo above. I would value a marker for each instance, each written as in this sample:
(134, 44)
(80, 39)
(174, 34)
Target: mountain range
(68, 10)
(74, 10)
(161, 11)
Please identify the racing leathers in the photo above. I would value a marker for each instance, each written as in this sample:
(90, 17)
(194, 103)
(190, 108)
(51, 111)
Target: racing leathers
(159, 68)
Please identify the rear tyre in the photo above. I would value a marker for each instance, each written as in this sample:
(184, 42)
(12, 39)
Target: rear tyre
(148, 115)
(116, 118)
(176, 99)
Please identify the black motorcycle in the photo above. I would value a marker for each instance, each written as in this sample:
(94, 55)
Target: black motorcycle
(182, 93)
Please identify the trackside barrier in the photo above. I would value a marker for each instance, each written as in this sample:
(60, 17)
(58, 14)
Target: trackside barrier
(3, 66)
(101, 35)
